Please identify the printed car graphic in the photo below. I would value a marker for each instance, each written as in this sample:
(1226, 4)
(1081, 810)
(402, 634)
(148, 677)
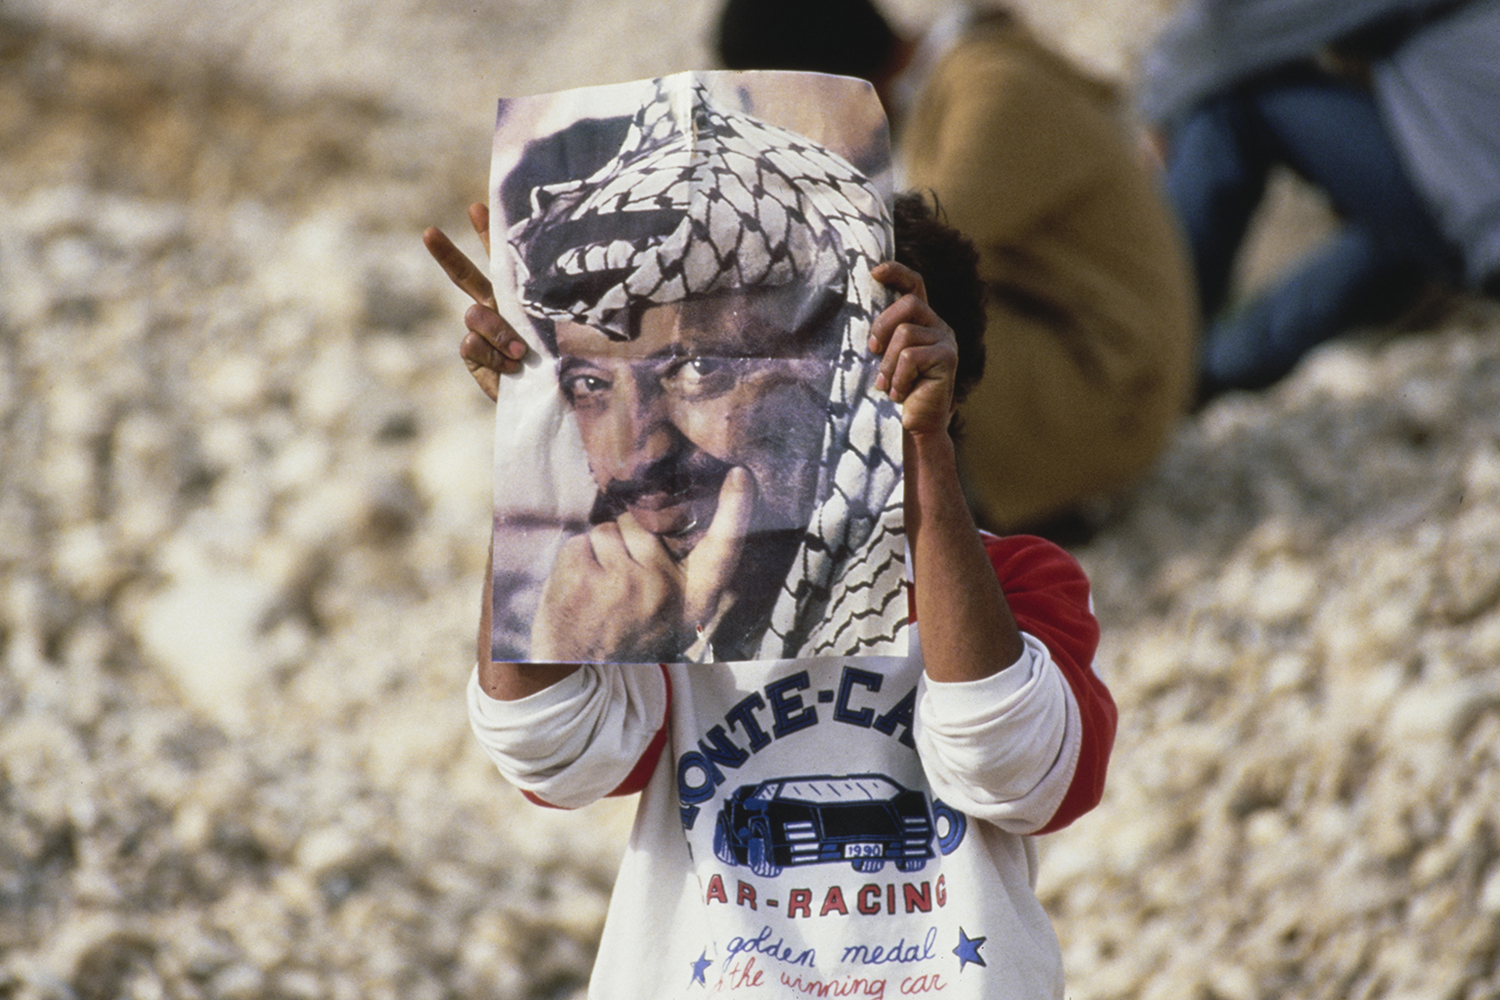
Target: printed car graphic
(864, 819)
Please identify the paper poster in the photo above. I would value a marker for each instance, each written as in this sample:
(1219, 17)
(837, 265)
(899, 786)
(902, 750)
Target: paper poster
(694, 466)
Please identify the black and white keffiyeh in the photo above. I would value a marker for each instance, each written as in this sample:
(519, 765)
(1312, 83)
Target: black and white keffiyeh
(701, 200)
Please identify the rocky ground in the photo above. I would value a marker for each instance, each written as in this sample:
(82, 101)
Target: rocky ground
(243, 496)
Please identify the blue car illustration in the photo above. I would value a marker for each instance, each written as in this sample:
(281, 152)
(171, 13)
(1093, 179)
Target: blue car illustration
(863, 819)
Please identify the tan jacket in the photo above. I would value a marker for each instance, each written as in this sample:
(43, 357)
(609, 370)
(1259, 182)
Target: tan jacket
(1092, 320)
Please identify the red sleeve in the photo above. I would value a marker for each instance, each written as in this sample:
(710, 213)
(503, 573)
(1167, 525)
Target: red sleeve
(640, 775)
(645, 766)
(1049, 597)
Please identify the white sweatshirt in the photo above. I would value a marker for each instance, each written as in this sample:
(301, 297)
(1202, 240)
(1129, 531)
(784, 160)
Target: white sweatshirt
(831, 828)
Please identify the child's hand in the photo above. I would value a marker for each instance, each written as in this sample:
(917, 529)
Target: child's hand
(919, 354)
(492, 347)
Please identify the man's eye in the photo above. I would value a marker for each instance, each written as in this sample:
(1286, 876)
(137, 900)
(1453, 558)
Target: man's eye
(700, 375)
(704, 367)
(580, 386)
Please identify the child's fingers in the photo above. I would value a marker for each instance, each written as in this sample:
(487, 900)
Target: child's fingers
(915, 364)
(908, 310)
(479, 218)
(460, 269)
(490, 325)
(910, 307)
(903, 339)
(901, 278)
(491, 348)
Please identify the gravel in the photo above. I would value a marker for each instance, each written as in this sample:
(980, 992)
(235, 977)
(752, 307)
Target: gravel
(244, 488)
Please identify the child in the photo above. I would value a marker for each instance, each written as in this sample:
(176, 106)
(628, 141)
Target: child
(826, 826)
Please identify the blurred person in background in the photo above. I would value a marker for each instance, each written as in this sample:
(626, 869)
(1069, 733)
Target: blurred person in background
(1390, 107)
(1091, 320)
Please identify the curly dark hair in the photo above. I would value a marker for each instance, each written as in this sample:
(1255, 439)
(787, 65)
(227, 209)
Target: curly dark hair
(949, 266)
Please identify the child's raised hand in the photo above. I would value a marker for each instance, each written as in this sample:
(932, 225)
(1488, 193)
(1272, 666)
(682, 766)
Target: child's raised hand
(919, 353)
(492, 347)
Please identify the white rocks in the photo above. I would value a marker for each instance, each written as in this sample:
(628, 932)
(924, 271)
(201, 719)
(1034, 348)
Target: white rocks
(1343, 800)
(243, 511)
(205, 631)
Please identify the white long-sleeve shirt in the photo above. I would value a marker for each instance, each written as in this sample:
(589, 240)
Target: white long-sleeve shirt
(831, 828)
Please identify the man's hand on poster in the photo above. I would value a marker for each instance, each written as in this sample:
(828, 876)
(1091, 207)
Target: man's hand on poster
(919, 353)
(641, 604)
(492, 347)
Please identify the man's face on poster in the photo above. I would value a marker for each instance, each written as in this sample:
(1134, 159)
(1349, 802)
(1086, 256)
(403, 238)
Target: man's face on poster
(736, 379)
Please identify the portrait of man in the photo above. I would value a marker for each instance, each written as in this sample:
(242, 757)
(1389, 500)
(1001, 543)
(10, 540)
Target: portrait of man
(696, 467)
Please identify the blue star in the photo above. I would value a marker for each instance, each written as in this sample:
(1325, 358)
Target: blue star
(968, 950)
(700, 966)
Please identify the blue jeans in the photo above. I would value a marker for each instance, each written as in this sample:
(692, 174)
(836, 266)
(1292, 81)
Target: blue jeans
(1386, 248)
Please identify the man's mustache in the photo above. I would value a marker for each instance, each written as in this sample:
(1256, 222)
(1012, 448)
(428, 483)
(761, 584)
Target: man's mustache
(674, 475)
